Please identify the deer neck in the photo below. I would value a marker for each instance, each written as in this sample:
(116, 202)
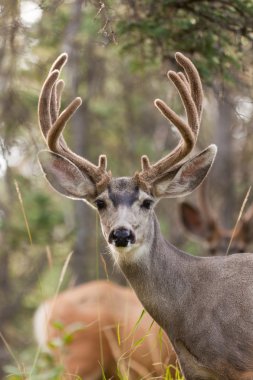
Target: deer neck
(160, 276)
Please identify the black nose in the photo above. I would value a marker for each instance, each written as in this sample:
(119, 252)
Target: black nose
(121, 237)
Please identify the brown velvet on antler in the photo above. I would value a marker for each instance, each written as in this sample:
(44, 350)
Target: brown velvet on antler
(190, 90)
(52, 124)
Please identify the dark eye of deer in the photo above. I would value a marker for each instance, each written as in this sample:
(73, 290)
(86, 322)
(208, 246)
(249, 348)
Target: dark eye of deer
(101, 205)
(146, 204)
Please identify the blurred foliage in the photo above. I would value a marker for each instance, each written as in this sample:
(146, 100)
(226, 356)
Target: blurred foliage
(217, 34)
(45, 369)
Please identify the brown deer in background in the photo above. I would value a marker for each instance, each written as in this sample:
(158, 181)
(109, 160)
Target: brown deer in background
(203, 224)
(107, 333)
(205, 305)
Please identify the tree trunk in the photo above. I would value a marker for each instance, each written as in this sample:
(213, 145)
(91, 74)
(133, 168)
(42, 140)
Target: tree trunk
(224, 167)
(84, 261)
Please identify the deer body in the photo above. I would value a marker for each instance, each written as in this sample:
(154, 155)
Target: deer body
(201, 310)
(199, 302)
(205, 305)
(103, 310)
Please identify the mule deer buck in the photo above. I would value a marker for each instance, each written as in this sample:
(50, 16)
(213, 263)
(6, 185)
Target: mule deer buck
(205, 305)
(106, 324)
(201, 222)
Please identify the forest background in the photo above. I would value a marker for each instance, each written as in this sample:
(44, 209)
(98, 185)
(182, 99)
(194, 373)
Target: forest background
(119, 53)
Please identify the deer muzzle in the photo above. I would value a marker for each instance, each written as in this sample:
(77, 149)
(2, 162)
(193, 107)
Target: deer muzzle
(122, 237)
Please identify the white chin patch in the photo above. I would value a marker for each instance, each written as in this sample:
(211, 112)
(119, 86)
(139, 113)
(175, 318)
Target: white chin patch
(132, 252)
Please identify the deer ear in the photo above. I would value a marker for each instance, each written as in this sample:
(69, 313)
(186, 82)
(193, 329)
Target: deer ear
(191, 219)
(187, 177)
(65, 177)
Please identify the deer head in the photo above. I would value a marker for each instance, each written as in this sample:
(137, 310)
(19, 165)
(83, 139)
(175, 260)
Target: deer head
(202, 223)
(125, 205)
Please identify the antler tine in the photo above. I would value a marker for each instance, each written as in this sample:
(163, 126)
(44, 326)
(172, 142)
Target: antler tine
(194, 81)
(44, 105)
(184, 79)
(57, 89)
(48, 97)
(56, 130)
(190, 91)
(55, 101)
(59, 62)
(52, 124)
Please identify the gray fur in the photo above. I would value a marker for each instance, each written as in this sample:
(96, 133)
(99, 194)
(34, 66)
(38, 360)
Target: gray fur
(201, 303)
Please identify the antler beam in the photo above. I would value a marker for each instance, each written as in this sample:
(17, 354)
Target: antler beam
(52, 124)
(191, 93)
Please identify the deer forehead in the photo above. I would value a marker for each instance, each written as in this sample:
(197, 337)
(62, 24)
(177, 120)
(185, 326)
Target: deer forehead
(123, 191)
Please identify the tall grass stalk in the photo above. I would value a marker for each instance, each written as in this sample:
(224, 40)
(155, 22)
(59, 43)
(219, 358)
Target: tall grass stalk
(238, 219)
(61, 278)
(23, 212)
(177, 374)
(9, 349)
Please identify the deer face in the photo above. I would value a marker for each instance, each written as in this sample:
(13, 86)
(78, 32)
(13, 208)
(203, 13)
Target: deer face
(125, 212)
(125, 208)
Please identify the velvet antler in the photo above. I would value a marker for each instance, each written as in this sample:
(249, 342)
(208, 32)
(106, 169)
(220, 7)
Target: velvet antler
(52, 124)
(190, 90)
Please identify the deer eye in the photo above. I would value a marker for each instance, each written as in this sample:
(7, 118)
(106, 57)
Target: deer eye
(100, 203)
(146, 204)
